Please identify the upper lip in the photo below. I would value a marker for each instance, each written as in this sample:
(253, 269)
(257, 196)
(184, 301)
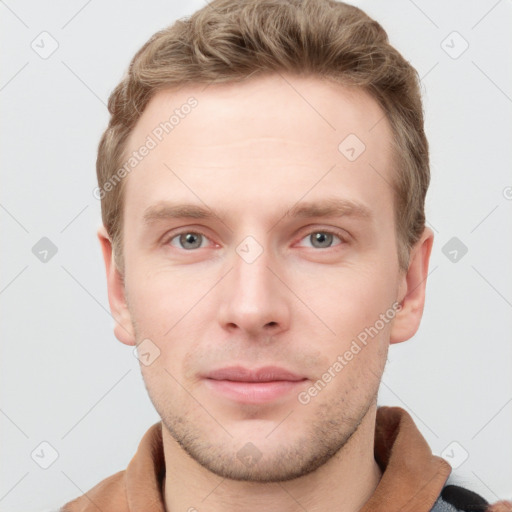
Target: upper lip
(264, 374)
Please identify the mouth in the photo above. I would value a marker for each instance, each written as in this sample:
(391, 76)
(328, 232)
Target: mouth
(253, 386)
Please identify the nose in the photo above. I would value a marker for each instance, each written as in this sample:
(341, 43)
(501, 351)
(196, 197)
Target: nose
(254, 299)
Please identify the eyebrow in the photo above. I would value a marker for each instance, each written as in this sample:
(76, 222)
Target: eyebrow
(330, 207)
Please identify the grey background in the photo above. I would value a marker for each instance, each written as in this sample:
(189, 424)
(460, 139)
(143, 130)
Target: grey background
(66, 380)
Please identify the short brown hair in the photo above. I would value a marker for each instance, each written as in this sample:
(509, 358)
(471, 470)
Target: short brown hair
(231, 40)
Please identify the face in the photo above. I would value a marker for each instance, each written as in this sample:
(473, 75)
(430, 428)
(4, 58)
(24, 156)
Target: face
(261, 270)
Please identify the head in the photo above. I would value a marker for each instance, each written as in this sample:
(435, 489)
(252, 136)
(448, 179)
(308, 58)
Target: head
(262, 179)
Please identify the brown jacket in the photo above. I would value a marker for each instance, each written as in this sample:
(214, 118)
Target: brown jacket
(412, 478)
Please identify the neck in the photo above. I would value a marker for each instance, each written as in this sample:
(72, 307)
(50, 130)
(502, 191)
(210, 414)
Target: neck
(347, 480)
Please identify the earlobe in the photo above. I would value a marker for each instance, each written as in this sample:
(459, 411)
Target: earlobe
(123, 328)
(412, 290)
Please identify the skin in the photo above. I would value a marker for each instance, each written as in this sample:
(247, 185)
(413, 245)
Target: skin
(251, 151)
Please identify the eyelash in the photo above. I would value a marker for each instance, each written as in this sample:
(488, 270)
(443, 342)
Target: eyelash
(326, 231)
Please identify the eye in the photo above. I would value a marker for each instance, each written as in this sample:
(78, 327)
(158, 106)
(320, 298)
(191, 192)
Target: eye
(190, 240)
(187, 240)
(323, 239)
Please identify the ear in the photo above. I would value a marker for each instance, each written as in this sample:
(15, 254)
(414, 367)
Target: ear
(123, 328)
(412, 290)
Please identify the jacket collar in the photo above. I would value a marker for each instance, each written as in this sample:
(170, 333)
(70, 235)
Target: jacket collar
(411, 482)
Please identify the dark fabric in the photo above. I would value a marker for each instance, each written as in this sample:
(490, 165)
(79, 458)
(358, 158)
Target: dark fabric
(463, 499)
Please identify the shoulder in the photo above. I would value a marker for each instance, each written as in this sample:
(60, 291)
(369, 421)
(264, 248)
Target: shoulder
(107, 495)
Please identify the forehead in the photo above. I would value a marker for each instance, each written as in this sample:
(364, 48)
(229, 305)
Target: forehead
(259, 141)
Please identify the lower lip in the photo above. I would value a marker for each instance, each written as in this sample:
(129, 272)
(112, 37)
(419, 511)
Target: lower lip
(253, 392)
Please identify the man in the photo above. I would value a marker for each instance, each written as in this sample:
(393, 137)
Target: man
(284, 141)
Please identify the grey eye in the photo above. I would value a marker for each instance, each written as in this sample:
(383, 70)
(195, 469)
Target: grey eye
(321, 239)
(190, 240)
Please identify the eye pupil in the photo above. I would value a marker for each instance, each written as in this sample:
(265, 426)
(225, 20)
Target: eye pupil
(322, 237)
(190, 238)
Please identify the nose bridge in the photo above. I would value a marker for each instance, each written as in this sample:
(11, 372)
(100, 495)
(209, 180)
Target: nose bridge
(254, 280)
(253, 296)
(251, 267)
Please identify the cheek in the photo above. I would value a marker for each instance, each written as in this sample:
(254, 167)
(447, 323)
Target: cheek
(167, 309)
(160, 301)
(350, 299)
